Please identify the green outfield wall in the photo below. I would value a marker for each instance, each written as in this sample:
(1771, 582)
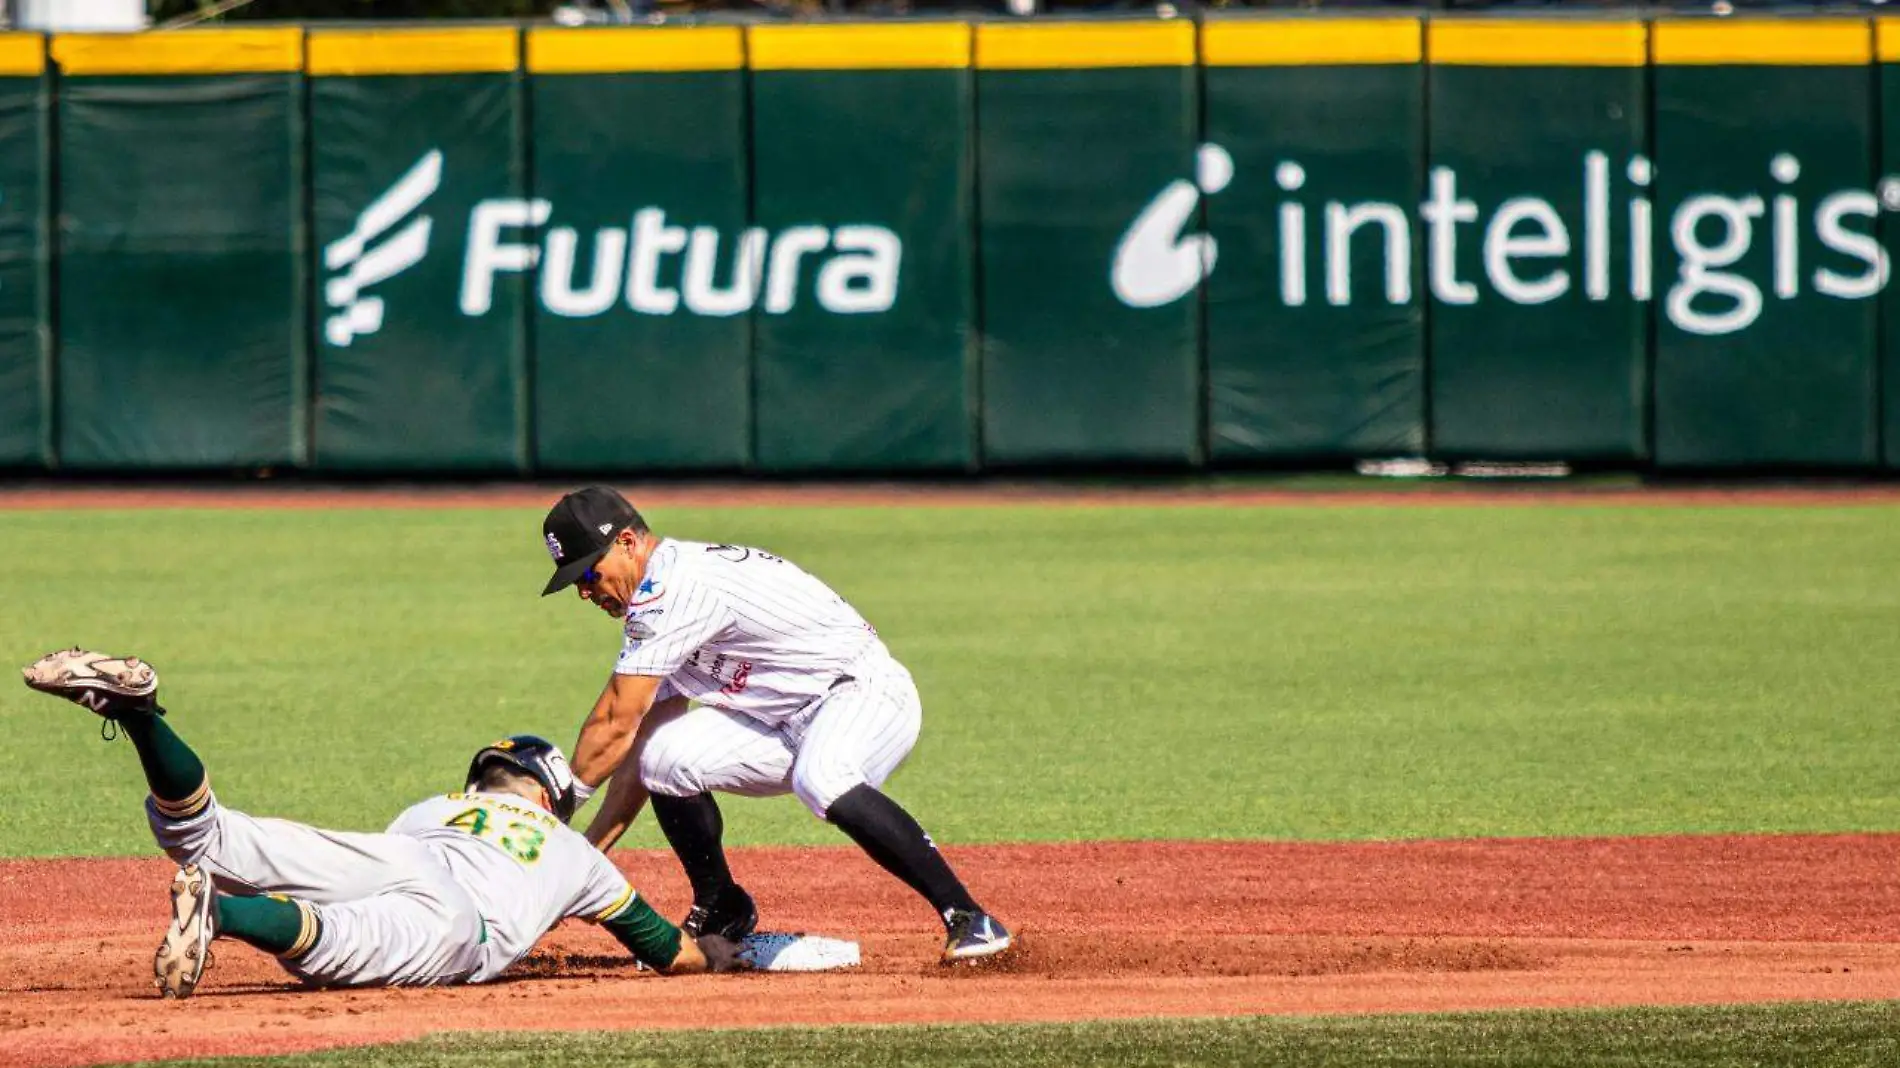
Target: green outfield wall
(179, 257)
(1080, 124)
(674, 327)
(1545, 364)
(1316, 347)
(946, 246)
(418, 170)
(25, 332)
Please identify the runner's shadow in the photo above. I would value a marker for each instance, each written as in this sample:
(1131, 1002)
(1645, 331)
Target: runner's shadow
(554, 964)
(238, 990)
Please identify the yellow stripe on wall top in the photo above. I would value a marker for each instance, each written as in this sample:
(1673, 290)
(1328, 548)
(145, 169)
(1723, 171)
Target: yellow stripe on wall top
(1791, 42)
(217, 51)
(1059, 45)
(22, 54)
(604, 50)
(1887, 40)
(860, 46)
(470, 50)
(1310, 42)
(1536, 43)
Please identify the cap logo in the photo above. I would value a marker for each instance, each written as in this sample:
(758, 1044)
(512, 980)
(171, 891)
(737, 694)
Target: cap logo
(606, 529)
(554, 548)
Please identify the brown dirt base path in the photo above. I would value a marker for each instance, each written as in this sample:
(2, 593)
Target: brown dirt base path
(1107, 930)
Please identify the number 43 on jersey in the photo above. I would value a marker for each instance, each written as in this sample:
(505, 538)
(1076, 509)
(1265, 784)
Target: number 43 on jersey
(519, 840)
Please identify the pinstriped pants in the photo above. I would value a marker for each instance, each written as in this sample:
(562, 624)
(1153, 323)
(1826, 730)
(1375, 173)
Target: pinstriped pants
(856, 734)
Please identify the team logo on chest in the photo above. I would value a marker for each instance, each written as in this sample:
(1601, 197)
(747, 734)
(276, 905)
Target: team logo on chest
(650, 590)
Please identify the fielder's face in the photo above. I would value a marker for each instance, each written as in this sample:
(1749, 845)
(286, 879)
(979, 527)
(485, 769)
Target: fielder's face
(610, 583)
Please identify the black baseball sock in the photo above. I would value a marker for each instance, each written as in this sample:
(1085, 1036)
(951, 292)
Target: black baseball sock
(174, 773)
(883, 829)
(695, 829)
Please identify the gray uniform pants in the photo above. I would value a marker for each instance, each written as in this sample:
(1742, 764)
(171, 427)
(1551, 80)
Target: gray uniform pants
(392, 915)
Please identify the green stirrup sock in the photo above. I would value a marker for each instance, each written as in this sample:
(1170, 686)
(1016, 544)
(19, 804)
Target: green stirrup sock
(273, 923)
(175, 773)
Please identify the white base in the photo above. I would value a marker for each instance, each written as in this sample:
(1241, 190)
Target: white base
(772, 952)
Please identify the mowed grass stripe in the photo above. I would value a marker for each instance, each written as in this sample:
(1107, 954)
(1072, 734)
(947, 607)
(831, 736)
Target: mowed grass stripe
(1182, 672)
(1838, 1035)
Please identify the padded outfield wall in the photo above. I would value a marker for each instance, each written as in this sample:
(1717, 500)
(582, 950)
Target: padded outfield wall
(917, 246)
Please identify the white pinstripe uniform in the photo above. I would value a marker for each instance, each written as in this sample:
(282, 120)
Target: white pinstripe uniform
(794, 692)
(456, 890)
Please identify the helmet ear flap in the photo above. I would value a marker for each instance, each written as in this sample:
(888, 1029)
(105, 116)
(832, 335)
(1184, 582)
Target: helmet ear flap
(559, 783)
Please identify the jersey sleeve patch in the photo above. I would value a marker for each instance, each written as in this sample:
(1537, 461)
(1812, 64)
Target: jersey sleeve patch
(662, 633)
(649, 592)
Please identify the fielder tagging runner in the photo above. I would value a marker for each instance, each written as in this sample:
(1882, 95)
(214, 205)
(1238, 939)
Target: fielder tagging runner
(796, 694)
(459, 887)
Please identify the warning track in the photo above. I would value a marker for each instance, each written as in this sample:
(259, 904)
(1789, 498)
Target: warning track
(53, 497)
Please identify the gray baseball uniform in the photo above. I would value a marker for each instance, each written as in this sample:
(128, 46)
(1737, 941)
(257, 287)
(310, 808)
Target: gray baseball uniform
(456, 890)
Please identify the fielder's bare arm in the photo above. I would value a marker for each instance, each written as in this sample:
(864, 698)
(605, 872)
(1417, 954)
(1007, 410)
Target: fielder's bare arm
(456, 890)
(790, 691)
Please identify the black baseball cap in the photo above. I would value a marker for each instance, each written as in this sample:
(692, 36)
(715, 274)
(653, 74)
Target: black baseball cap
(579, 530)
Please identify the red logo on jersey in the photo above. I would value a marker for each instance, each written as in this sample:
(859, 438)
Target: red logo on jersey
(739, 678)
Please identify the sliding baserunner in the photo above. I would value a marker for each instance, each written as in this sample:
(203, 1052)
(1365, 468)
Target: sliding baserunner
(458, 888)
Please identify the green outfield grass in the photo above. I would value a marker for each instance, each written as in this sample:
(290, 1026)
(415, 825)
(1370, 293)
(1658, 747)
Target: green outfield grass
(1843, 1035)
(1087, 672)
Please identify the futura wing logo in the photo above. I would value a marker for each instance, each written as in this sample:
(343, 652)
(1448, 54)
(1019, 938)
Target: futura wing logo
(355, 315)
(1156, 263)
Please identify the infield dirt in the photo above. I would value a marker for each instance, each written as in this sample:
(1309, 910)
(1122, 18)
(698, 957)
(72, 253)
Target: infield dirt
(1108, 930)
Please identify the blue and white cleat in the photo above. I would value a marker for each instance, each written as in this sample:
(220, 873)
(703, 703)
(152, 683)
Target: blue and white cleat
(972, 936)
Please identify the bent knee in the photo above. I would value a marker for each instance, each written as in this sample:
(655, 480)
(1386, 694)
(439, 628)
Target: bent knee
(818, 788)
(671, 777)
(185, 841)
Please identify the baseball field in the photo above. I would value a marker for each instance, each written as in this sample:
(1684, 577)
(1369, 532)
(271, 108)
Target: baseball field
(1290, 777)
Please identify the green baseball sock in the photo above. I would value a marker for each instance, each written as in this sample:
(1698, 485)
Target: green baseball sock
(273, 923)
(654, 941)
(176, 775)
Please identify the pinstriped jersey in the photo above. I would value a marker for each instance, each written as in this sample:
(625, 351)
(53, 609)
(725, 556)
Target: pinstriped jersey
(739, 628)
(526, 870)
